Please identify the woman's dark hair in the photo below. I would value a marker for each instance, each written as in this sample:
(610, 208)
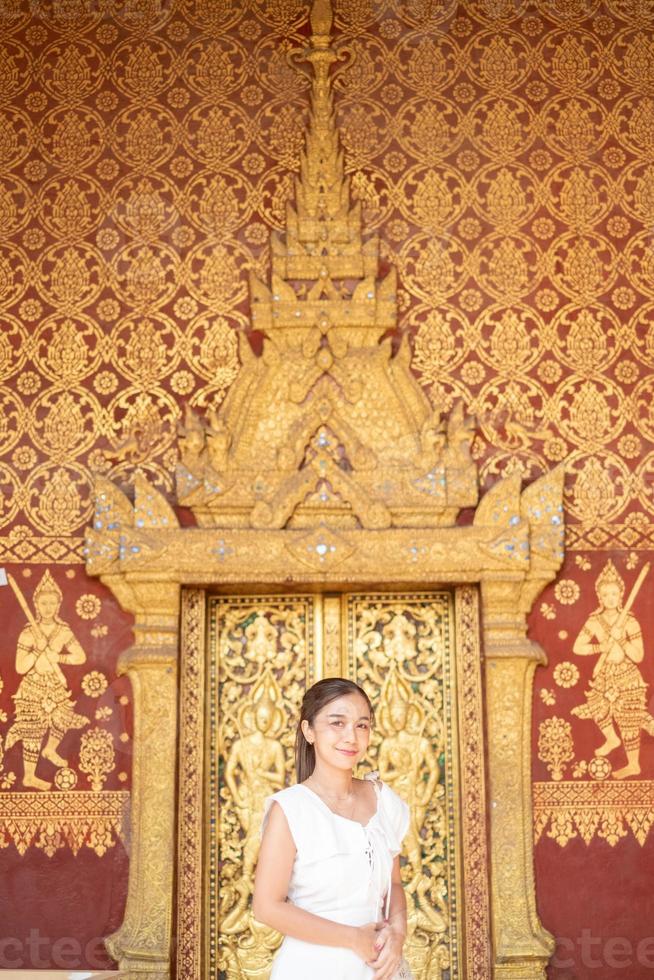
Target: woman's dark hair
(315, 699)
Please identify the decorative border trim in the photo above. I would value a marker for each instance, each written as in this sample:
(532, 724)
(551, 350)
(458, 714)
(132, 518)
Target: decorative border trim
(191, 789)
(589, 809)
(72, 819)
(474, 838)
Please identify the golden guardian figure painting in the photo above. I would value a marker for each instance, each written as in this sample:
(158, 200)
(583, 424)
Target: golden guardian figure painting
(44, 704)
(616, 699)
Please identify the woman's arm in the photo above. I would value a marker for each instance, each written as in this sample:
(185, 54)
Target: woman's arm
(394, 932)
(271, 906)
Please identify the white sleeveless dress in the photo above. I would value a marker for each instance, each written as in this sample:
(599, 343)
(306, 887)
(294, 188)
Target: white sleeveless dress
(342, 872)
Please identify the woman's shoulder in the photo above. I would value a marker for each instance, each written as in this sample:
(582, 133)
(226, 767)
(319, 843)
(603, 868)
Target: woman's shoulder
(387, 794)
(393, 810)
(287, 797)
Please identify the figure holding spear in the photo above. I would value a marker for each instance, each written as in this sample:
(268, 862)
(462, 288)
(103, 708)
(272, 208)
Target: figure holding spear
(617, 695)
(44, 704)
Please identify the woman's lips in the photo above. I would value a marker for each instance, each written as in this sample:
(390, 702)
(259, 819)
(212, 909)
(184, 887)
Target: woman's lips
(347, 751)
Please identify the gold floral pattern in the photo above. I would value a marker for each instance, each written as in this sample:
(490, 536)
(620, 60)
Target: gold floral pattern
(94, 684)
(88, 606)
(566, 674)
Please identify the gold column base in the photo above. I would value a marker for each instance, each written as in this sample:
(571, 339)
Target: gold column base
(520, 970)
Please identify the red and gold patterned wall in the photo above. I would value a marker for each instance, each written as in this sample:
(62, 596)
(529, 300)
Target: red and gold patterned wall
(504, 150)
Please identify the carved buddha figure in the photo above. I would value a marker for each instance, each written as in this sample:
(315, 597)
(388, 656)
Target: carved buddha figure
(255, 765)
(407, 761)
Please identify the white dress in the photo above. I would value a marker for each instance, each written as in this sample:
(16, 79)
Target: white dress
(342, 872)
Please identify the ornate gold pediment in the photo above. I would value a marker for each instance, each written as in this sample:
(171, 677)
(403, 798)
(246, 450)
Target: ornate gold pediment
(328, 425)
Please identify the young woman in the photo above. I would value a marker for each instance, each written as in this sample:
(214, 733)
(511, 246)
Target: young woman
(328, 876)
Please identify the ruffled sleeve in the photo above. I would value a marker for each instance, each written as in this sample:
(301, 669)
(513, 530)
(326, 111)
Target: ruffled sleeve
(311, 824)
(395, 815)
(286, 802)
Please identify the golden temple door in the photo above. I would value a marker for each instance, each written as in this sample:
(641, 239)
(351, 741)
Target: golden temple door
(417, 655)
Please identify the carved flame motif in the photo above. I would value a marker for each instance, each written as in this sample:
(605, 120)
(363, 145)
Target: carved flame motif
(329, 406)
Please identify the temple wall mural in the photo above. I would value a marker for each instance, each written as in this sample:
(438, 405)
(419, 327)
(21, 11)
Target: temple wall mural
(503, 152)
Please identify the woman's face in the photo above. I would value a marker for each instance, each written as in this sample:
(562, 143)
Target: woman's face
(340, 731)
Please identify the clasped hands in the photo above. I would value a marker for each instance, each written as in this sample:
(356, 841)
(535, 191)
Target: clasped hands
(380, 945)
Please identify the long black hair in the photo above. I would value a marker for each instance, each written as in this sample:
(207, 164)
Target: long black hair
(315, 699)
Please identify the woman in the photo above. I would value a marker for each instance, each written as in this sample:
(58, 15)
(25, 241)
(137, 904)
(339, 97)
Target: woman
(328, 876)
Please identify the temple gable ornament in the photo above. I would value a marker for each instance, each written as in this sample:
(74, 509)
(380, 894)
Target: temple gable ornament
(326, 466)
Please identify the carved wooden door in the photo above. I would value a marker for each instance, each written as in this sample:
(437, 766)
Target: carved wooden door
(422, 675)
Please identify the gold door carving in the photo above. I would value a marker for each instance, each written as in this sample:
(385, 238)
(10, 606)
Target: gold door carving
(261, 654)
(400, 649)
(261, 660)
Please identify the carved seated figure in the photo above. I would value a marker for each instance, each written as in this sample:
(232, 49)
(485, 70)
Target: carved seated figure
(192, 442)
(219, 440)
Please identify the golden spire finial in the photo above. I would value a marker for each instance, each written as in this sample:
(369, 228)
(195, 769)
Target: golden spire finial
(321, 17)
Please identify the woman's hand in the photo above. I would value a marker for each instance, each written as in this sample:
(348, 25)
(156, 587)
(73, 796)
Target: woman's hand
(366, 942)
(386, 964)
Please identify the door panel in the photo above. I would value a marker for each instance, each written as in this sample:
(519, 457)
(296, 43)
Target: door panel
(401, 650)
(262, 657)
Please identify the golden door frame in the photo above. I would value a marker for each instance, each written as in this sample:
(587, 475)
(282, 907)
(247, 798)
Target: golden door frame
(511, 551)
(331, 652)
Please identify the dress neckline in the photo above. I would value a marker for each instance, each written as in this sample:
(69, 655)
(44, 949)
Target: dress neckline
(340, 817)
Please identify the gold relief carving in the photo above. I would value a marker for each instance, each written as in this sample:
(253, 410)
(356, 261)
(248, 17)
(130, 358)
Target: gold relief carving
(261, 656)
(509, 680)
(332, 639)
(190, 868)
(244, 944)
(400, 648)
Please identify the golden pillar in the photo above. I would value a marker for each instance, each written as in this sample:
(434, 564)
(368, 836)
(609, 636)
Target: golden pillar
(142, 945)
